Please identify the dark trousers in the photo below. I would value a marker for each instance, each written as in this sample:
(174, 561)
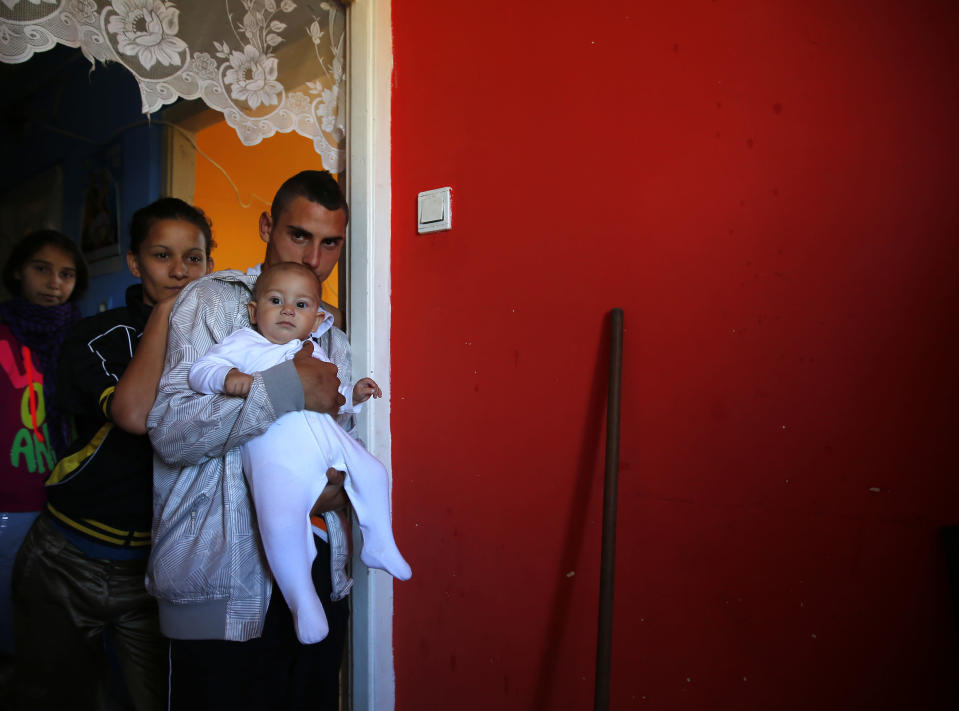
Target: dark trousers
(64, 604)
(273, 671)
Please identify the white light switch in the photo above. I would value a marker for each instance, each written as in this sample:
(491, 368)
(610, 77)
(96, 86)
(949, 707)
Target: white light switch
(434, 211)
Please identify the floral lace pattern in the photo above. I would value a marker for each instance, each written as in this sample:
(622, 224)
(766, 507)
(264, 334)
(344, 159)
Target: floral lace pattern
(267, 65)
(146, 29)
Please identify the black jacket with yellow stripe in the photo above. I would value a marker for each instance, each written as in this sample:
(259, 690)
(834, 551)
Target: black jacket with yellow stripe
(103, 486)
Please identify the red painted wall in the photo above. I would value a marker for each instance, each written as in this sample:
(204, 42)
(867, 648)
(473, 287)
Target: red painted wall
(768, 190)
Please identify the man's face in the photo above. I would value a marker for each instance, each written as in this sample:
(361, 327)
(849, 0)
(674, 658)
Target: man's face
(307, 233)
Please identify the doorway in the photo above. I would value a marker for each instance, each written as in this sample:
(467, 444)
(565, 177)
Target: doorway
(206, 164)
(363, 288)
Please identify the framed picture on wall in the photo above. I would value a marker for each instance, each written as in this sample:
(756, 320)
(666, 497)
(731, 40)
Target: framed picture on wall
(99, 224)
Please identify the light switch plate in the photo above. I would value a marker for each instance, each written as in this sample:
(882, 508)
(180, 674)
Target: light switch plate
(434, 210)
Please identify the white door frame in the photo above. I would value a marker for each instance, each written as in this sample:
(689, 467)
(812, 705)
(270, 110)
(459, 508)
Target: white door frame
(370, 46)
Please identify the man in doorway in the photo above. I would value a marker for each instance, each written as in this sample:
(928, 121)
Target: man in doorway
(233, 644)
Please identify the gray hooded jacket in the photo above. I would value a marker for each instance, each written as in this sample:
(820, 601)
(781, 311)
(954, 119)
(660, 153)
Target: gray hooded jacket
(207, 568)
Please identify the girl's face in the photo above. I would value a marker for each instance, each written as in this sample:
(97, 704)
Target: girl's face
(172, 255)
(48, 277)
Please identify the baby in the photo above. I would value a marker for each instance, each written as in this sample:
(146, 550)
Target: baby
(286, 466)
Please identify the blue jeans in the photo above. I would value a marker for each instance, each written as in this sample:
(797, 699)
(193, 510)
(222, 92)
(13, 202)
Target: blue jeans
(13, 529)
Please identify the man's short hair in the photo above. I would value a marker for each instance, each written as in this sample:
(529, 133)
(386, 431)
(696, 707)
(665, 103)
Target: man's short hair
(281, 267)
(316, 186)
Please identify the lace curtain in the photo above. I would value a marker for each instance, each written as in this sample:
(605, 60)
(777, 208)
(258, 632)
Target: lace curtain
(267, 65)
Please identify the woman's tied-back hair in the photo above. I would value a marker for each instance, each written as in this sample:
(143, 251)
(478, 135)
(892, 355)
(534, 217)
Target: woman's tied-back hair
(316, 186)
(169, 208)
(32, 243)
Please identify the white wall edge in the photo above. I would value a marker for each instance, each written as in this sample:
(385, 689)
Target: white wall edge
(370, 46)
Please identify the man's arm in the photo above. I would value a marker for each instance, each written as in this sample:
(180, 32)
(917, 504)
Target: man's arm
(186, 427)
(317, 377)
(337, 348)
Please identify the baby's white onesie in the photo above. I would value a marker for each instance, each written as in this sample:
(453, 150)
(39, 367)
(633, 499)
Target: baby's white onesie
(286, 469)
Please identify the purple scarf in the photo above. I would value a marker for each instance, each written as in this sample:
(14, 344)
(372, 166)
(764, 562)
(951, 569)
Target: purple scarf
(43, 329)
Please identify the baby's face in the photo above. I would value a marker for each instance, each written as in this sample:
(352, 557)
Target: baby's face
(286, 307)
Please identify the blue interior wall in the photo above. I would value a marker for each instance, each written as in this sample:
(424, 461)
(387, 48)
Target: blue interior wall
(60, 111)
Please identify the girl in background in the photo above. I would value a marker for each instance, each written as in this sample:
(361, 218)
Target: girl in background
(46, 274)
(78, 581)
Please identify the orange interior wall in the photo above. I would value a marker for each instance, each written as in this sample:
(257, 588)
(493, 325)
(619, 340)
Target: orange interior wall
(257, 171)
(768, 191)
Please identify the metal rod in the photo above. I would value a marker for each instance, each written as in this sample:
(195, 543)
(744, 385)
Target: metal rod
(604, 640)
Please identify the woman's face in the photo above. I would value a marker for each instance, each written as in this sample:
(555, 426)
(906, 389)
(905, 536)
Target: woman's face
(48, 277)
(172, 255)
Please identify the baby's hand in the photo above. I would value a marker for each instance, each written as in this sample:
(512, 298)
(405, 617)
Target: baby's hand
(364, 389)
(237, 383)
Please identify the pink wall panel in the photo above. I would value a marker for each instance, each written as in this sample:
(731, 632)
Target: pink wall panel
(768, 191)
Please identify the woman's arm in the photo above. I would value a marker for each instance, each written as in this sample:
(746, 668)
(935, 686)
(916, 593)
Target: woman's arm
(137, 387)
(187, 427)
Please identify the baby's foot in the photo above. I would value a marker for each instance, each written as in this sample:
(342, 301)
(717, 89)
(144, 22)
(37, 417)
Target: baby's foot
(392, 562)
(311, 624)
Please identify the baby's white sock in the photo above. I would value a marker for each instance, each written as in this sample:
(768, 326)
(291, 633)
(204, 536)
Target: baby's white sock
(283, 494)
(368, 486)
